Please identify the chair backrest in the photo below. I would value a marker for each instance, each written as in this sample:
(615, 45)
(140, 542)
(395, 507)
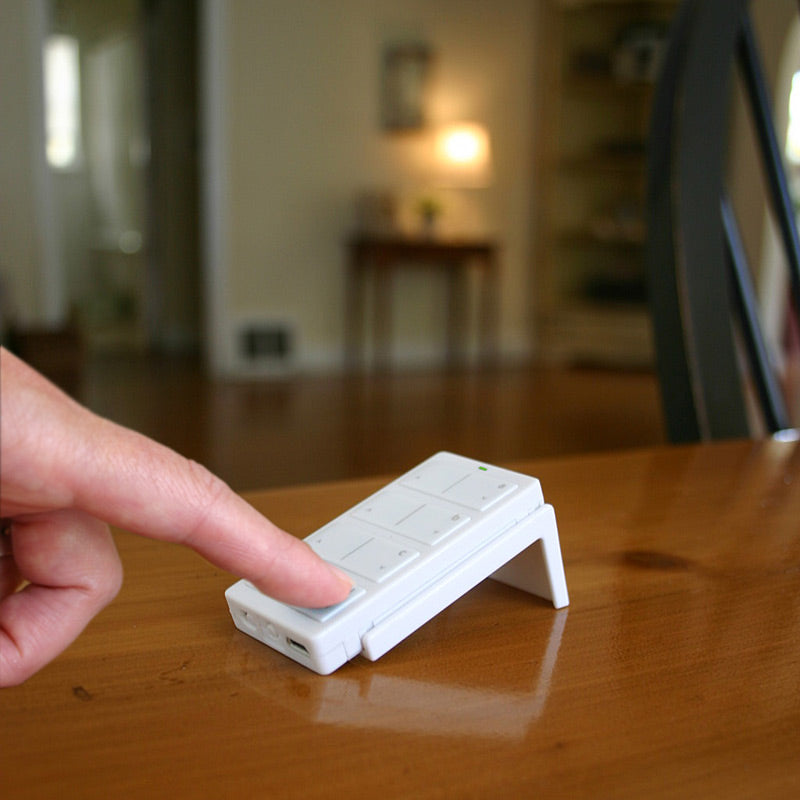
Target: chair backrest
(705, 321)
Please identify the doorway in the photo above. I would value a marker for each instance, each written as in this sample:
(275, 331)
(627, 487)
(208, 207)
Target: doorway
(127, 203)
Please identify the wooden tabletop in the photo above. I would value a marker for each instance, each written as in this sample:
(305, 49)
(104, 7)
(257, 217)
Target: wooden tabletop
(675, 671)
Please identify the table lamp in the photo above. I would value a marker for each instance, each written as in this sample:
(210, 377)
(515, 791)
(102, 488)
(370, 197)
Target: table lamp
(463, 156)
(461, 160)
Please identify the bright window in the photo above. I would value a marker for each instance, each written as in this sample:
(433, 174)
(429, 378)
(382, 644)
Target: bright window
(62, 101)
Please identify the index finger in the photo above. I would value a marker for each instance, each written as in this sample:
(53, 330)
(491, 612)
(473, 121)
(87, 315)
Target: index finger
(144, 487)
(57, 454)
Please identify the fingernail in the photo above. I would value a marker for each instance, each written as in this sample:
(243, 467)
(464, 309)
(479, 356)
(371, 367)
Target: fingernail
(342, 576)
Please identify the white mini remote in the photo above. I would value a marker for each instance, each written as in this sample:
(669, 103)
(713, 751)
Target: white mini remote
(412, 548)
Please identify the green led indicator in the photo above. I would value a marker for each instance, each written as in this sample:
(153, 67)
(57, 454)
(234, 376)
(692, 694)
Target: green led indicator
(483, 468)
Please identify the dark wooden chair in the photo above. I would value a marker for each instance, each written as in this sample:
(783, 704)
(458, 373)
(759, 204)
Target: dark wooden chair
(709, 346)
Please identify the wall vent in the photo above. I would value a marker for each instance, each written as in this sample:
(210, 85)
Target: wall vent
(265, 347)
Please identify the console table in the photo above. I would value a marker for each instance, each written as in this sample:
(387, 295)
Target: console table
(379, 257)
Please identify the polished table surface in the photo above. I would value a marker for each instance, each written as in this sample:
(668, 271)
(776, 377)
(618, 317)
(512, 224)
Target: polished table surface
(675, 671)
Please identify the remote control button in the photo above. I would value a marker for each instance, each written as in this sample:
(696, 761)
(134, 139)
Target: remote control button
(431, 523)
(325, 613)
(377, 559)
(387, 509)
(336, 541)
(271, 631)
(437, 478)
(479, 490)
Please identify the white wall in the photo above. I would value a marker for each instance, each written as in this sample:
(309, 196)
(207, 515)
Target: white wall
(300, 99)
(303, 138)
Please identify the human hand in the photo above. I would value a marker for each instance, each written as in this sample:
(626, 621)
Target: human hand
(65, 474)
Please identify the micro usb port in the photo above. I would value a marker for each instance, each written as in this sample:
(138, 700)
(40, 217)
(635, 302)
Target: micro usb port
(297, 646)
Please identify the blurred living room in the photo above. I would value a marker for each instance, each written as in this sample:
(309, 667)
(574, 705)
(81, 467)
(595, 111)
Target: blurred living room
(240, 227)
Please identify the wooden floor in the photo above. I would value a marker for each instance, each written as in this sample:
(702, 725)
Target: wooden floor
(331, 427)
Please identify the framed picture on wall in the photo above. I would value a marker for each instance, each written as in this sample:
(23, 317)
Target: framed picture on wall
(405, 78)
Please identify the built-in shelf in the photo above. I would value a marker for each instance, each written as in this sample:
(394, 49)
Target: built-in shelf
(599, 76)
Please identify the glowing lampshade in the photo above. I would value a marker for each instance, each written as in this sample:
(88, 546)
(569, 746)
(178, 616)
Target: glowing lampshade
(463, 155)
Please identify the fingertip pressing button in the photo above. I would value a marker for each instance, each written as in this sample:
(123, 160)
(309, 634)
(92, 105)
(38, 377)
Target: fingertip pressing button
(326, 612)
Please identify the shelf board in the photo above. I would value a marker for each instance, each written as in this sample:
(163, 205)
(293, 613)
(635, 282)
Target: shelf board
(617, 335)
(593, 155)
(582, 85)
(644, 5)
(604, 162)
(604, 312)
(585, 237)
